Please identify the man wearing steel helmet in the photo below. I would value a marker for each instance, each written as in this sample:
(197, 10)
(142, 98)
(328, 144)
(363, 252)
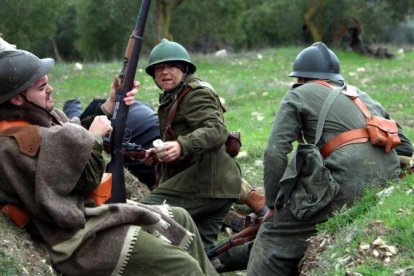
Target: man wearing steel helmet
(49, 167)
(196, 171)
(281, 240)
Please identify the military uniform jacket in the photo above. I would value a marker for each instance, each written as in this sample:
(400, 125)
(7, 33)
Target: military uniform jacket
(205, 169)
(353, 166)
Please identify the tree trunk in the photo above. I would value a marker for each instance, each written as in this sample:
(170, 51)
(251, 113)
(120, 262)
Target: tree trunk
(315, 31)
(164, 12)
(56, 50)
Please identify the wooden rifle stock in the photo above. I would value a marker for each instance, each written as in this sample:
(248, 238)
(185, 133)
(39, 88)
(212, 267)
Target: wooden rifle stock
(128, 149)
(245, 235)
(120, 115)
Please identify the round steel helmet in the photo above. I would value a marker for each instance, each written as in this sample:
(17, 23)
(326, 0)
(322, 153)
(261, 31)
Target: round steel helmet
(317, 62)
(168, 51)
(19, 70)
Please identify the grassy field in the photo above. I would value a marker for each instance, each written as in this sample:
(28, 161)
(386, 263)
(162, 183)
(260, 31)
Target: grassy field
(251, 86)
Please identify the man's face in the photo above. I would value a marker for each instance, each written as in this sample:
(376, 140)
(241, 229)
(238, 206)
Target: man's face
(167, 76)
(40, 93)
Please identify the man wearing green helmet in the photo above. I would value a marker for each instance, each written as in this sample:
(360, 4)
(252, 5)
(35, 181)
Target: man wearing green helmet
(196, 171)
(49, 167)
(282, 239)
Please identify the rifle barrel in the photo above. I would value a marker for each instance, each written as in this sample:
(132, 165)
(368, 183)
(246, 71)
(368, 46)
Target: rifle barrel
(120, 115)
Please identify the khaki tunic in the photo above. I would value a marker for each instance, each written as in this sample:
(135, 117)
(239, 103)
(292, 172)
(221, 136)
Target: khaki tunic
(353, 166)
(281, 242)
(205, 170)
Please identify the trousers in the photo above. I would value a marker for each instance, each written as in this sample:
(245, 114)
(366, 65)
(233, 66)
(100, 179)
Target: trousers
(207, 213)
(153, 257)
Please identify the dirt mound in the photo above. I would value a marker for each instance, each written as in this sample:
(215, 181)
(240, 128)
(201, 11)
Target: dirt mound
(16, 244)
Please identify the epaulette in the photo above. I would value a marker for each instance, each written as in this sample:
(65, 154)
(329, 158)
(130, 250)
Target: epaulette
(27, 137)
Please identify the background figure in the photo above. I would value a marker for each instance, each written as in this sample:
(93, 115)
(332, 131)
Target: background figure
(282, 239)
(196, 171)
(142, 128)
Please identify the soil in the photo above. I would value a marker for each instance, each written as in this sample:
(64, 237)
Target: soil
(378, 248)
(17, 244)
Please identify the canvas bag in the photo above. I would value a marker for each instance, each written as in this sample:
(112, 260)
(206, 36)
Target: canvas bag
(307, 186)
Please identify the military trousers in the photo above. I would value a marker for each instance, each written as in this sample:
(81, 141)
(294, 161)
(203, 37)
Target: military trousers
(281, 242)
(152, 256)
(207, 213)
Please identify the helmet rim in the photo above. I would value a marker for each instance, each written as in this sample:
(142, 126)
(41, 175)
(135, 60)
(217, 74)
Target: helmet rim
(316, 75)
(317, 62)
(39, 68)
(167, 52)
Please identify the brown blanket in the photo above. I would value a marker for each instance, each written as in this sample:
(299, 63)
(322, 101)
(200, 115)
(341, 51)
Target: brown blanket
(80, 240)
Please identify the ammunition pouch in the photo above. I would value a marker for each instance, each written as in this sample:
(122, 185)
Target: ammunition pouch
(383, 133)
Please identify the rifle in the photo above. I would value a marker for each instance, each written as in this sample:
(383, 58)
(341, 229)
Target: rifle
(120, 115)
(250, 231)
(128, 149)
(242, 237)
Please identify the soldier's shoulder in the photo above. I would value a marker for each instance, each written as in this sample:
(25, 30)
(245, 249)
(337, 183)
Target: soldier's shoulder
(200, 84)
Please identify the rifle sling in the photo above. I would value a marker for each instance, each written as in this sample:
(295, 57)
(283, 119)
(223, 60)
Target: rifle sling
(169, 132)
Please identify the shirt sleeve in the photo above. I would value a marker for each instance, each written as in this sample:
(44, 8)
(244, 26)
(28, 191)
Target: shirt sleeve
(87, 120)
(286, 129)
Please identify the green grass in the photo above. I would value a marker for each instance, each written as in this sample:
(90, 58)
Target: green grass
(390, 217)
(252, 85)
(8, 266)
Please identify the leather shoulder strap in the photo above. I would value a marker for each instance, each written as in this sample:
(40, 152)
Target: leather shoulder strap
(27, 136)
(349, 91)
(362, 107)
(173, 110)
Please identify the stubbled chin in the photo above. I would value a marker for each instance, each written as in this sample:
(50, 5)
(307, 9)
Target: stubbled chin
(49, 105)
(167, 86)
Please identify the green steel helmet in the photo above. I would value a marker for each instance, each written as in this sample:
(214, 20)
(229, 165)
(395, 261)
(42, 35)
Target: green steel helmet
(317, 62)
(168, 51)
(19, 70)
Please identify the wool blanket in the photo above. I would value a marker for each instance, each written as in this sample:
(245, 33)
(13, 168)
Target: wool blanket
(80, 240)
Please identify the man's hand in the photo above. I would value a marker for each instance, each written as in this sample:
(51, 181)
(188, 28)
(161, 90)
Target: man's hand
(109, 104)
(172, 150)
(101, 126)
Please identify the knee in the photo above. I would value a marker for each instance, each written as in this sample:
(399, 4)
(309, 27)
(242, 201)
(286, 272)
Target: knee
(179, 212)
(181, 216)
